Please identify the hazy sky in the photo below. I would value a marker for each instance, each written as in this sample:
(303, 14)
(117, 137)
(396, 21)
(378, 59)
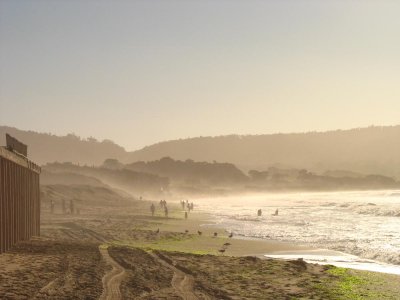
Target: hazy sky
(139, 72)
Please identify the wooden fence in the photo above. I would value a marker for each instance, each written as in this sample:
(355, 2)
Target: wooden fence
(19, 199)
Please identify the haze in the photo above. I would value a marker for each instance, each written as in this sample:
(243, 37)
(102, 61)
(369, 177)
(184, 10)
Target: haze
(140, 72)
(209, 149)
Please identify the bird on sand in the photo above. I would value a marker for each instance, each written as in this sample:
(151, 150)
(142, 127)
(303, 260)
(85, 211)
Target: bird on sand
(215, 234)
(221, 251)
(158, 230)
(227, 244)
(199, 232)
(186, 231)
(231, 235)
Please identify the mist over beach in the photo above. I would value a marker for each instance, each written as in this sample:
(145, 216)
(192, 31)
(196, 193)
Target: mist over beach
(221, 149)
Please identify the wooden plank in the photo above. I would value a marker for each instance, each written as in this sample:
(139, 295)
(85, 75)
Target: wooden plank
(19, 202)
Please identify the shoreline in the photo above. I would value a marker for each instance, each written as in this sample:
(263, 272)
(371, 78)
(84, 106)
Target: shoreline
(337, 259)
(286, 250)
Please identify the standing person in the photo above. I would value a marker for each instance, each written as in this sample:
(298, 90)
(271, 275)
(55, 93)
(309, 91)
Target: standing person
(166, 211)
(152, 209)
(161, 203)
(186, 215)
(192, 205)
(259, 212)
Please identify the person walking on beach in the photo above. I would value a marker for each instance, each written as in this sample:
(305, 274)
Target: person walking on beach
(152, 209)
(259, 212)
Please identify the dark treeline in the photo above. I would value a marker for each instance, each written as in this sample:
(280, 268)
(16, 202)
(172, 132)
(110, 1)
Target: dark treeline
(192, 175)
(191, 172)
(276, 179)
(202, 178)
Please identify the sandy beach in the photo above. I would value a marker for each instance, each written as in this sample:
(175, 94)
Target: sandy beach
(126, 253)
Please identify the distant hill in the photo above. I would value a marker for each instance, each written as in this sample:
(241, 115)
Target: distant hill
(191, 172)
(87, 198)
(68, 178)
(44, 147)
(372, 150)
(127, 180)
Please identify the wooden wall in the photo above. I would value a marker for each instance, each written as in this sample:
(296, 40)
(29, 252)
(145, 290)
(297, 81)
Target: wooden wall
(19, 200)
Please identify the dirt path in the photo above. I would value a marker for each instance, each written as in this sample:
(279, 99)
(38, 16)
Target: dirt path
(182, 282)
(112, 279)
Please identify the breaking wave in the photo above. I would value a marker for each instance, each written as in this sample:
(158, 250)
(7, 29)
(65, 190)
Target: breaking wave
(365, 224)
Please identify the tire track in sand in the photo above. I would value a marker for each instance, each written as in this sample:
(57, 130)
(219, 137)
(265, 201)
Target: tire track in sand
(182, 282)
(112, 279)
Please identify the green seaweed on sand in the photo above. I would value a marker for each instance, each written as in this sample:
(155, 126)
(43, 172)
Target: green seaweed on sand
(187, 243)
(349, 284)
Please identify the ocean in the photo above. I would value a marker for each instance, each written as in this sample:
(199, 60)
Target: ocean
(351, 229)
